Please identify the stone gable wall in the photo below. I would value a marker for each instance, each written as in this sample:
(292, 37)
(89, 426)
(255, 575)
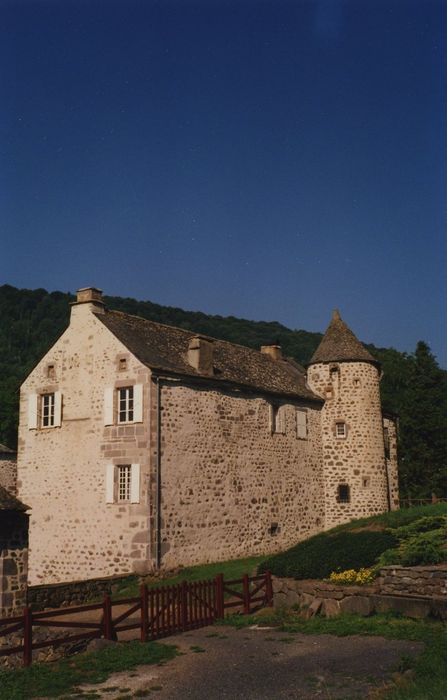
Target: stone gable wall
(231, 488)
(74, 533)
(351, 396)
(8, 472)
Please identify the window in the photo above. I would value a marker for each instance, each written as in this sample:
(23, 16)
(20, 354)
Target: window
(274, 529)
(122, 364)
(124, 473)
(47, 410)
(125, 405)
(344, 495)
(51, 371)
(44, 410)
(366, 482)
(123, 483)
(340, 429)
(277, 419)
(301, 424)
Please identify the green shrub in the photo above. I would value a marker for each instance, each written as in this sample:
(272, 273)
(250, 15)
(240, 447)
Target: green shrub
(425, 524)
(423, 549)
(318, 556)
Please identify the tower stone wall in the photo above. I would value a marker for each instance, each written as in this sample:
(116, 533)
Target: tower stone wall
(354, 468)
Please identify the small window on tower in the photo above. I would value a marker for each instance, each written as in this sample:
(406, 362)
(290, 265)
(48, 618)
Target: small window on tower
(340, 429)
(344, 495)
(366, 482)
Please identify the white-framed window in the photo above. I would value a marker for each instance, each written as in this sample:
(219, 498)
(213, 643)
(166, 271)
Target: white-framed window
(123, 404)
(277, 419)
(340, 429)
(301, 424)
(123, 483)
(44, 410)
(47, 411)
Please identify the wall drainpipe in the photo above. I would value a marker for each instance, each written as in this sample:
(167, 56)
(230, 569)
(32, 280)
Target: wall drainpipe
(158, 481)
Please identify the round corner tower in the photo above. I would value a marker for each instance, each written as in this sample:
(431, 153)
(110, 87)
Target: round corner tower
(355, 477)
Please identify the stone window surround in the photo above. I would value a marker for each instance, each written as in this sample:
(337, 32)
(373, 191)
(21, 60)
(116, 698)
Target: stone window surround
(340, 435)
(343, 493)
(111, 402)
(115, 488)
(37, 411)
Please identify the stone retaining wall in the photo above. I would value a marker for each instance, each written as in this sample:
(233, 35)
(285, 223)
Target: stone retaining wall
(414, 581)
(13, 561)
(416, 592)
(59, 595)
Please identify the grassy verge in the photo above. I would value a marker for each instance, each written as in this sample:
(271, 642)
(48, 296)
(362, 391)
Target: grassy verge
(430, 668)
(64, 677)
(235, 568)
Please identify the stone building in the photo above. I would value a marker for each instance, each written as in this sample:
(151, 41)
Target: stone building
(13, 554)
(143, 446)
(8, 469)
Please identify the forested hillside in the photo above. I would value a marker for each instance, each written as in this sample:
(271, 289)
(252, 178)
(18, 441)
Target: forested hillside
(413, 385)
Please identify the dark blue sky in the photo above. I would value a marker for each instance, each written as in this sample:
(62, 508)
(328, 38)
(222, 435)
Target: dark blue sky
(269, 160)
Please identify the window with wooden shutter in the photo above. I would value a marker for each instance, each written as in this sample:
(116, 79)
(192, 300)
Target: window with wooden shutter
(33, 412)
(135, 483)
(138, 403)
(108, 405)
(277, 419)
(110, 483)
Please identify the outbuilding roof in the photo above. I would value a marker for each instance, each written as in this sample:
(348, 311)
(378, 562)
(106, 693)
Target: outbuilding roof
(165, 348)
(6, 450)
(339, 344)
(10, 502)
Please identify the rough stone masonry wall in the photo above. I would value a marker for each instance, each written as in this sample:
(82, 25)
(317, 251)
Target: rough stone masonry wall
(13, 562)
(392, 463)
(351, 392)
(231, 488)
(414, 581)
(8, 473)
(74, 533)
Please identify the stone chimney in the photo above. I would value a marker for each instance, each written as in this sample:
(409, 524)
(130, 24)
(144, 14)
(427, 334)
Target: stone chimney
(200, 354)
(273, 350)
(90, 298)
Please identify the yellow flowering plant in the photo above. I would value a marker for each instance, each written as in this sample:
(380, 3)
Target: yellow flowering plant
(360, 578)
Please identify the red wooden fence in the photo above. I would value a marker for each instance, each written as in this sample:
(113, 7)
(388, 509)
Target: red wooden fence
(156, 612)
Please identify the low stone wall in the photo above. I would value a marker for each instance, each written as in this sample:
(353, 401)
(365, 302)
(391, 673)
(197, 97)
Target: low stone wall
(319, 597)
(57, 595)
(414, 581)
(417, 592)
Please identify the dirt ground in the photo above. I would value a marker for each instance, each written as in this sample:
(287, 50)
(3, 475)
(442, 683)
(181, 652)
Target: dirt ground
(223, 663)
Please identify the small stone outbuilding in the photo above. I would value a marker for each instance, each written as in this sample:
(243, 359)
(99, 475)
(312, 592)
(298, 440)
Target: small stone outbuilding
(13, 554)
(8, 469)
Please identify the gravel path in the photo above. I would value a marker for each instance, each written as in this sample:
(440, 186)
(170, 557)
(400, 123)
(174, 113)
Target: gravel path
(223, 663)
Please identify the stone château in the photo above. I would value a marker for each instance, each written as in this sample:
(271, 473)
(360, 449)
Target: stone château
(144, 446)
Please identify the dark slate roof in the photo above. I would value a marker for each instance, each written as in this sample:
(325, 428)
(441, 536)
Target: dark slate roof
(339, 344)
(10, 502)
(6, 450)
(164, 348)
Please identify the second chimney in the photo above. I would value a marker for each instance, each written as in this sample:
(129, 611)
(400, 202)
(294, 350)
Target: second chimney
(273, 350)
(200, 354)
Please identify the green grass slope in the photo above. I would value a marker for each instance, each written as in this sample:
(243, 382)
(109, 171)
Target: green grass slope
(408, 537)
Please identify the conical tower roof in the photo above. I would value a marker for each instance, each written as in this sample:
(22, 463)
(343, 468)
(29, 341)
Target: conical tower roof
(339, 344)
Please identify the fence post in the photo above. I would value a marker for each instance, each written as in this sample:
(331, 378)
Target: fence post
(246, 591)
(268, 589)
(144, 613)
(219, 593)
(27, 637)
(107, 621)
(184, 605)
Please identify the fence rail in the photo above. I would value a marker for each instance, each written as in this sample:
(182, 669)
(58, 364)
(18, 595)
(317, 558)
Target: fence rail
(156, 612)
(410, 502)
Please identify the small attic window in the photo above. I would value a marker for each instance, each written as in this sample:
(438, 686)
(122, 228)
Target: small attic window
(122, 364)
(51, 371)
(334, 372)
